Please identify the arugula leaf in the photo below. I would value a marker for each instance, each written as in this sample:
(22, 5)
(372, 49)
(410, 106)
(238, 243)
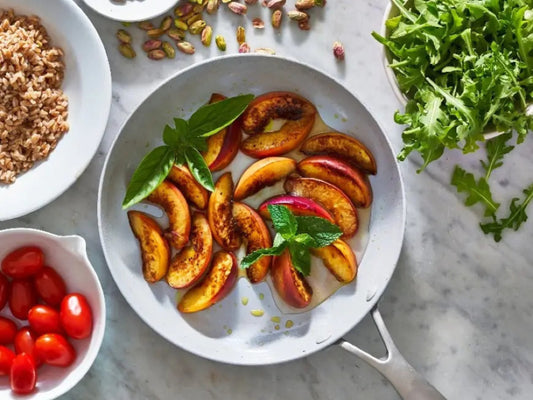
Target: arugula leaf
(300, 257)
(478, 191)
(152, 170)
(496, 148)
(253, 257)
(211, 118)
(199, 168)
(283, 220)
(319, 229)
(176, 137)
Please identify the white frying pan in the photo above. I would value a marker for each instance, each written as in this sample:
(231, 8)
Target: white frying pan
(228, 332)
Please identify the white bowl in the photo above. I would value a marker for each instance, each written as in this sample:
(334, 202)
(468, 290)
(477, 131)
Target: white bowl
(87, 84)
(66, 254)
(130, 10)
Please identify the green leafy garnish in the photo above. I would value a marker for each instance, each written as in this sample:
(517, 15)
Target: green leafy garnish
(298, 234)
(478, 191)
(183, 144)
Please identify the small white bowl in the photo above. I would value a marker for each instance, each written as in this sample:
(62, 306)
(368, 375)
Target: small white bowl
(131, 10)
(66, 254)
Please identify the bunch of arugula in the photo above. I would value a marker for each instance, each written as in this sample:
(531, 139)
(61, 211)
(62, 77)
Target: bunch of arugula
(183, 144)
(466, 67)
(297, 234)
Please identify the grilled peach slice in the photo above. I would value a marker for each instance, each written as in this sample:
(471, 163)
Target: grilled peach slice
(172, 201)
(180, 176)
(215, 286)
(290, 284)
(299, 112)
(339, 259)
(155, 251)
(339, 145)
(220, 214)
(297, 205)
(188, 266)
(262, 173)
(223, 146)
(350, 180)
(330, 196)
(256, 235)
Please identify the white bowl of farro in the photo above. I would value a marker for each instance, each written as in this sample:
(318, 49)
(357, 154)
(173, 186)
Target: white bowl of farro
(55, 96)
(130, 10)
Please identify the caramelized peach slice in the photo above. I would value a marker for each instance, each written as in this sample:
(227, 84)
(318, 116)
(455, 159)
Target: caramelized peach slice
(180, 176)
(339, 259)
(215, 286)
(290, 284)
(340, 145)
(350, 180)
(220, 214)
(262, 173)
(155, 251)
(298, 205)
(299, 112)
(330, 196)
(257, 236)
(172, 201)
(188, 266)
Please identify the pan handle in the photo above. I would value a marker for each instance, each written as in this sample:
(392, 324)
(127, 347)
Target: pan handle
(409, 384)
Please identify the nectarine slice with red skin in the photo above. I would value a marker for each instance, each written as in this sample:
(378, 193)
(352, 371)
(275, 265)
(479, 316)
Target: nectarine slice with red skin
(263, 173)
(290, 284)
(331, 197)
(180, 176)
(220, 214)
(189, 265)
(155, 252)
(170, 198)
(342, 146)
(339, 259)
(299, 112)
(350, 180)
(299, 206)
(257, 236)
(214, 287)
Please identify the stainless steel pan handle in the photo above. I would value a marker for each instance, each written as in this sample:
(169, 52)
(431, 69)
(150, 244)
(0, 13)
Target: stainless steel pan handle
(409, 384)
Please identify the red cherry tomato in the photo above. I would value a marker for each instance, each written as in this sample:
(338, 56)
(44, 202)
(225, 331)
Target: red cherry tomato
(23, 374)
(44, 319)
(25, 343)
(4, 291)
(23, 262)
(76, 316)
(50, 286)
(8, 329)
(22, 298)
(54, 349)
(6, 359)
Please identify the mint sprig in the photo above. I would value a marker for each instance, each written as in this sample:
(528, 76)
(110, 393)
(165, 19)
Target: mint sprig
(183, 144)
(298, 234)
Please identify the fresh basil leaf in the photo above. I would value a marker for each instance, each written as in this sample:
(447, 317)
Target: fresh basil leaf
(152, 170)
(199, 168)
(300, 257)
(319, 229)
(211, 118)
(175, 137)
(283, 220)
(256, 255)
(305, 239)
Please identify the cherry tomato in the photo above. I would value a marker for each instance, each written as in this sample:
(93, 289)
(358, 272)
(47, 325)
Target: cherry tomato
(23, 374)
(6, 359)
(54, 349)
(4, 291)
(50, 286)
(76, 316)
(8, 329)
(23, 262)
(22, 298)
(44, 319)
(25, 343)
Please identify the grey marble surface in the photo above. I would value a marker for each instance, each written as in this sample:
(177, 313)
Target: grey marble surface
(459, 305)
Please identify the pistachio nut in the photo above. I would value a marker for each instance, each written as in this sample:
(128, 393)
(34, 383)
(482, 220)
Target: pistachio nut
(183, 9)
(250, 1)
(191, 19)
(197, 27)
(168, 49)
(176, 34)
(221, 42)
(296, 15)
(126, 50)
(304, 25)
(320, 3)
(237, 8)
(212, 6)
(207, 34)
(185, 47)
(276, 4)
(181, 25)
(125, 23)
(145, 25)
(244, 48)
(156, 54)
(225, 1)
(258, 23)
(155, 33)
(338, 51)
(166, 23)
(151, 44)
(241, 35)
(304, 4)
(276, 19)
(198, 8)
(123, 36)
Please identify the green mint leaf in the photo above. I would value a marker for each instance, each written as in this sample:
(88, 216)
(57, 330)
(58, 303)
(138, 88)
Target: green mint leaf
(496, 148)
(300, 257)
(199, 168)
(175, 137)
(211, 118)
(254, 256)
(152, 170)
(278, 239)
(283, 220)
(305, 239)
(477, 191)
(319, 229)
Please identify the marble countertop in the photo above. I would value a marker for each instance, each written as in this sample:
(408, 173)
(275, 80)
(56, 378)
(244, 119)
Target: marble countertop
(459, 305)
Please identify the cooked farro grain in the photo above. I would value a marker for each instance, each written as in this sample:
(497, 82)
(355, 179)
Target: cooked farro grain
(33, 108)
